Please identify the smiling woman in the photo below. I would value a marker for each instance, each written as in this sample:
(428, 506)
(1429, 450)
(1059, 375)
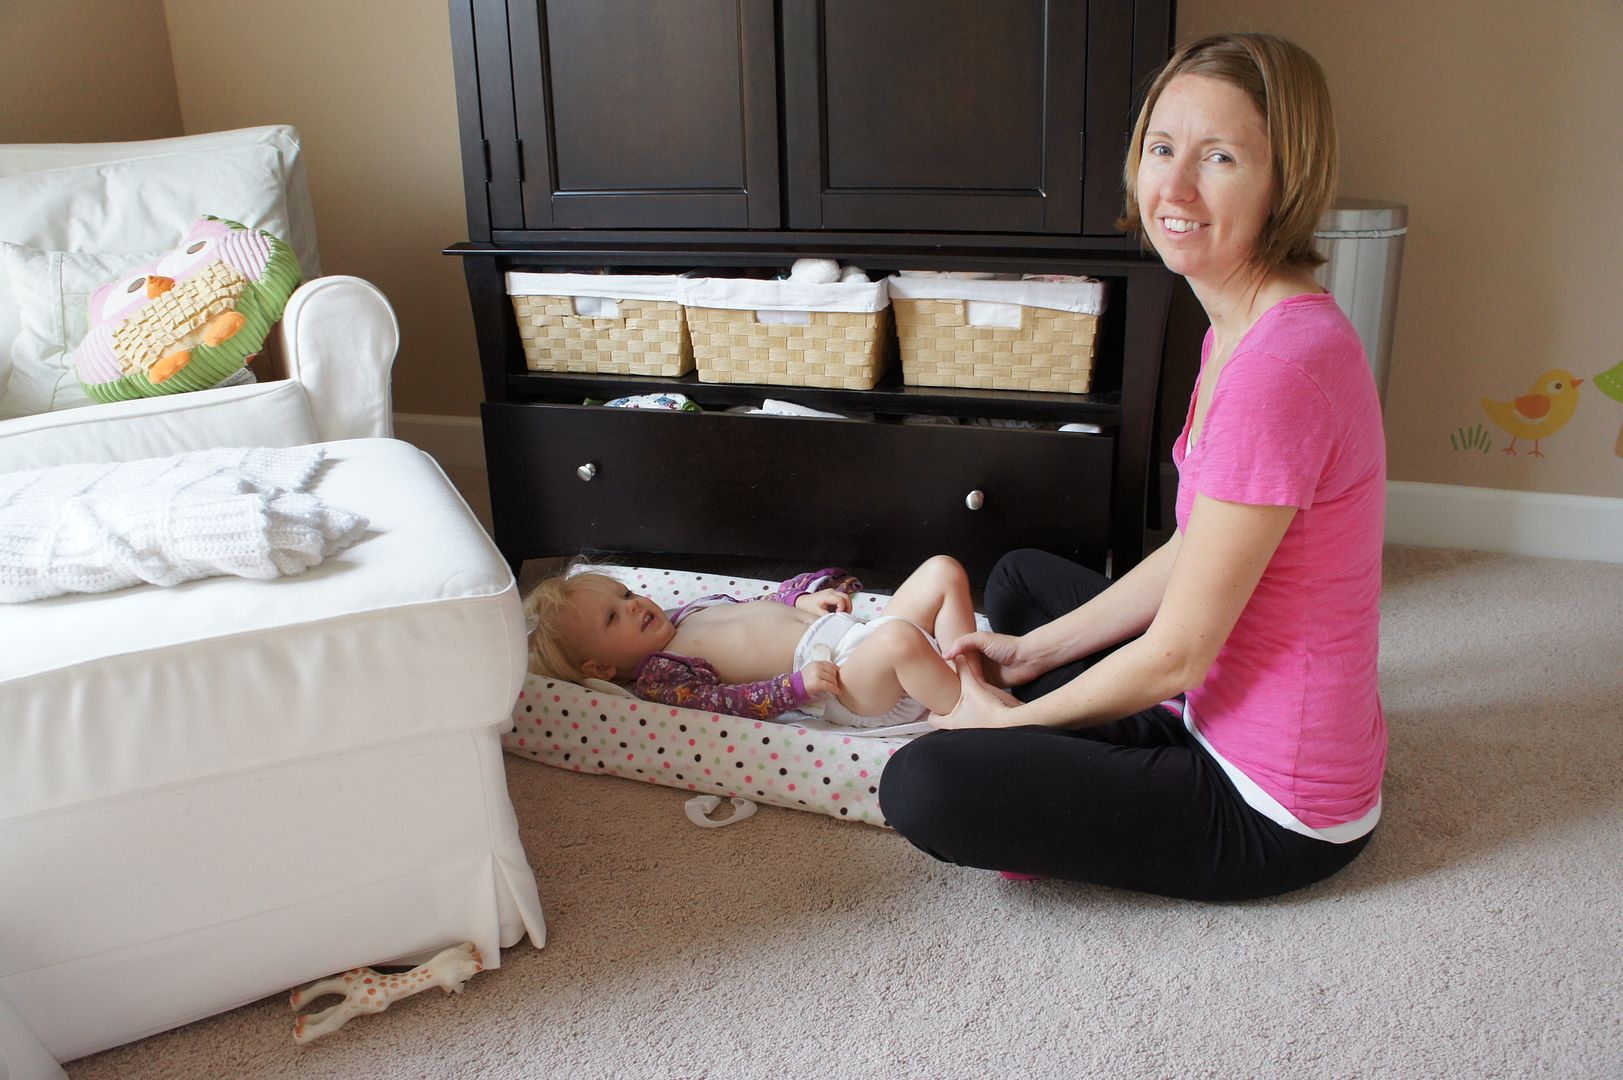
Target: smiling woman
(1289, 110)
(1209, 725)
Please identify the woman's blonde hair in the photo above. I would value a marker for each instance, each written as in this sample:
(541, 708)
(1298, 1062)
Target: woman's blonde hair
(1287, 85)
(551, 652)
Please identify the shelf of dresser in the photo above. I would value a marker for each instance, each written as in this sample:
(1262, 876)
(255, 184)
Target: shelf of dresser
(891, 397)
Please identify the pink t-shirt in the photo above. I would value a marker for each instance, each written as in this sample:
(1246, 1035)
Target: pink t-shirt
(1292, 700)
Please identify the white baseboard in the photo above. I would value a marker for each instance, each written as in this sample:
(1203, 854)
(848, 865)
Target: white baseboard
(1515, 522)
(456, 442)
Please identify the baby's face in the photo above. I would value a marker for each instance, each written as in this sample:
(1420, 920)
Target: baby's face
(614, 629)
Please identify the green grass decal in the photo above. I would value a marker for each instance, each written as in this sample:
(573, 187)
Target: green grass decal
(1475, 438)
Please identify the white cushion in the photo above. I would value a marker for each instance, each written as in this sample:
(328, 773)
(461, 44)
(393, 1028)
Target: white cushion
(19, 158)
(414, 630)
(264, 414)
(143, 204)
(51, 293)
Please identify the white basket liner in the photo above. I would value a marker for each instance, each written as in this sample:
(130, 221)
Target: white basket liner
(750, 294)
(603, 286)
(1079, 297)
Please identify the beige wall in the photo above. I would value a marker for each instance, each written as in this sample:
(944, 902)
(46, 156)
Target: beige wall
(1496, 121)
(85, 71)
(368, 83)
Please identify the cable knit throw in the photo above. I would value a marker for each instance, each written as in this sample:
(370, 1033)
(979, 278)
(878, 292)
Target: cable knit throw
(95, 528)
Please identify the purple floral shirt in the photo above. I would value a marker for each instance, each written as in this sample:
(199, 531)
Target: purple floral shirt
(691, 682)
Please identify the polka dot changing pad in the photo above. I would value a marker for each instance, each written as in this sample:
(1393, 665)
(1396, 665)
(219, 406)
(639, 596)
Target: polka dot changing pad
(799, 765)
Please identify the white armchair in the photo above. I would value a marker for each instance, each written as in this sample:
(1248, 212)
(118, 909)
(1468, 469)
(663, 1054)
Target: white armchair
(214, 791)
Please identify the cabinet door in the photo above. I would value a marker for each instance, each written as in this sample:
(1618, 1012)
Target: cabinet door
(936, 114)
(630, 114)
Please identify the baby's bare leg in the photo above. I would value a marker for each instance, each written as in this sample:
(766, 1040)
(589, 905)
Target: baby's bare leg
(893, 660)
(936, 596)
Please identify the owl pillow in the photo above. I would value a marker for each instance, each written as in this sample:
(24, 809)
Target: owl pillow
(189, 319)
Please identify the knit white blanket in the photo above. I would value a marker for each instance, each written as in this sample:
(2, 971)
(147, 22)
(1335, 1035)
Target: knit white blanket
(95, 528)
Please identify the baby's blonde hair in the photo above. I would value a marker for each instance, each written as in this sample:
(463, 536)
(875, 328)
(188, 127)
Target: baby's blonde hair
(551, 652)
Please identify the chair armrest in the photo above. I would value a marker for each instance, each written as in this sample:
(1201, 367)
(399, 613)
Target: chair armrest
(339, 336)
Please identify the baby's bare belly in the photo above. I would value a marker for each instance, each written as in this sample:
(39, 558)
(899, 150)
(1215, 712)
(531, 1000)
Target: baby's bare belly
(745, 642)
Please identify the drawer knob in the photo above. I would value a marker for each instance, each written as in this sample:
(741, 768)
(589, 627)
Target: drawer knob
(587, 471)
(975, 499)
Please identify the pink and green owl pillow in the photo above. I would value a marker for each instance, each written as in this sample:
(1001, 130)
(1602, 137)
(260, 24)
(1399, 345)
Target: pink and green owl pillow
(189, 319)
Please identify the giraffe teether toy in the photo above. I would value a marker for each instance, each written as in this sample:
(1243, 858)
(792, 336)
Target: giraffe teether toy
(368, 991)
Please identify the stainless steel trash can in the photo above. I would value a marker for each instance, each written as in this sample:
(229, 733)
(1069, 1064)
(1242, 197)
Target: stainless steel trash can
(1363, 240)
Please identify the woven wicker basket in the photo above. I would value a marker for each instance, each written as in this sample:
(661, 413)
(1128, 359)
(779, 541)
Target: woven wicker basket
(649, 338)
(843, 349)
(1049, 351)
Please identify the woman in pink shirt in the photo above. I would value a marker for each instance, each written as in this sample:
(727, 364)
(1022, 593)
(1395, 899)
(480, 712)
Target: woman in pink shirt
(1208, 726)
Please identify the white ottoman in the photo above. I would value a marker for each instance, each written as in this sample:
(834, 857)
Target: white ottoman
(214, 791)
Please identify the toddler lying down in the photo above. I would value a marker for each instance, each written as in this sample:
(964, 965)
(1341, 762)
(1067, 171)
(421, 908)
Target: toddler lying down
(798, 649)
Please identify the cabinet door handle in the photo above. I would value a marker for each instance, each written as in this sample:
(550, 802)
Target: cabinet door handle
(975, 499)
(587, 471)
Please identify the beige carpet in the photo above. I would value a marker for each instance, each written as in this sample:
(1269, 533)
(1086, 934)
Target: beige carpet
(1479, 935)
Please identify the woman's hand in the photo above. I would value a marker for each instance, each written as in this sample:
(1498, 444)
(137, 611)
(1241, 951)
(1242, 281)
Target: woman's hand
(979, 705)
(821, 677)
(1003, 657)
(823, 601)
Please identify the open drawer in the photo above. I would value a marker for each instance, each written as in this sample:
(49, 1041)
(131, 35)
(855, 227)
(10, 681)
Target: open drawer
(567, 478)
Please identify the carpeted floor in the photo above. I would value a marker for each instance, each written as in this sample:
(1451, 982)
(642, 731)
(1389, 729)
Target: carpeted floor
(1481, 933)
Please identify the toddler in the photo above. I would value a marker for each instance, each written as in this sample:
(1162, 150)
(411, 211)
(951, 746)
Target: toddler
(763, 657)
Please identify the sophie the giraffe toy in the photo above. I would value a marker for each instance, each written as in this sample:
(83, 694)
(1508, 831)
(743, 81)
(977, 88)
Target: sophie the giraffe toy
(369, 991)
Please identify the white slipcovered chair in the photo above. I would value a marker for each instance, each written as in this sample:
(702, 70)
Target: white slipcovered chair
(214, 791)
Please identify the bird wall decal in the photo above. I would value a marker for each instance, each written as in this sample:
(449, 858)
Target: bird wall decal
(1542, 411)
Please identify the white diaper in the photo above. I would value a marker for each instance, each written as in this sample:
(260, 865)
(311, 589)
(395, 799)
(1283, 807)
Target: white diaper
(834, 637)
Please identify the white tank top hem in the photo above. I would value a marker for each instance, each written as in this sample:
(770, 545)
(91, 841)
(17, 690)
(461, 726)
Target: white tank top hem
(1268, 806)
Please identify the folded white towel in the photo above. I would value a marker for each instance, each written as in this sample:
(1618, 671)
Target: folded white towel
(95, 528)
(815, 271)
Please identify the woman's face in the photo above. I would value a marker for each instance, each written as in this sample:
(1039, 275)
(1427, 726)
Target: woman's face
(1205, 178)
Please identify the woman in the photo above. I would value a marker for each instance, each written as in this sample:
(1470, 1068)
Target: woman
(1208, 726)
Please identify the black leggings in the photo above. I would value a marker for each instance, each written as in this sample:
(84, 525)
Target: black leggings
(1135, 803)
